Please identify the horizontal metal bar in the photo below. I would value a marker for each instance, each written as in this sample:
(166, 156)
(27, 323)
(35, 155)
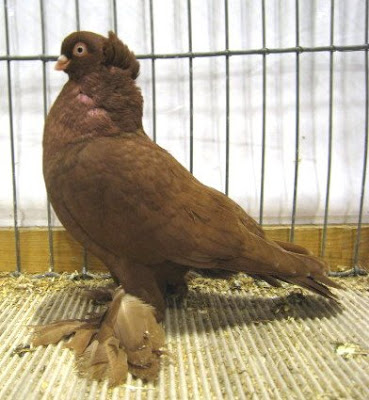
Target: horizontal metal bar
(299, 49)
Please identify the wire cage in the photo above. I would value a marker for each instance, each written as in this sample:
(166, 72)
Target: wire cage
(226, 55)
(232, 60)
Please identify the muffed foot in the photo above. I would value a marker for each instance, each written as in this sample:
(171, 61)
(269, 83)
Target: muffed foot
(125, 338)
(100, 295)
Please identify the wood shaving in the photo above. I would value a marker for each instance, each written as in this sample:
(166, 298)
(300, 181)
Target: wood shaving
(14, 285)
(348, 350)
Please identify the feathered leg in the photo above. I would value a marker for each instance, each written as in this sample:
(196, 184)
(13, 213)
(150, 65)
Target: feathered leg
(100, 295)
(171, 278)
(140, 281)
(126, 337)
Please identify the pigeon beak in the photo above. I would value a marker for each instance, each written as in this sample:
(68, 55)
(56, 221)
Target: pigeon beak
(62, 63)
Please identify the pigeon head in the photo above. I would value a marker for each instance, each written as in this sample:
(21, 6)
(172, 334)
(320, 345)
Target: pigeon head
(84, 52)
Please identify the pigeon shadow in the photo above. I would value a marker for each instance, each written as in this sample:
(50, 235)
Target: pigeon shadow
(222, 310)
(216, 310)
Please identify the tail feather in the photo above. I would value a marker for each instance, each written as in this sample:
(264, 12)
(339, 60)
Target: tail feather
(311, 284)
(273, 281)
(310, 272)
(312, 275)
(296, 267)
(329, 282)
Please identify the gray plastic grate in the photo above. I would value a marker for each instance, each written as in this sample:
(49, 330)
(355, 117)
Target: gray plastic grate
(232, 345)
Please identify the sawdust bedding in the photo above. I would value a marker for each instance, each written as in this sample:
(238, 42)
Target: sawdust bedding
(11, 284)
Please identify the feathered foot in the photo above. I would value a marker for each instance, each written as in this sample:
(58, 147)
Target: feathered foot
(100, 295)
(125, 338)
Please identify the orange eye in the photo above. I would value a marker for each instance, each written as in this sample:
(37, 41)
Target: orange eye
(80, 49)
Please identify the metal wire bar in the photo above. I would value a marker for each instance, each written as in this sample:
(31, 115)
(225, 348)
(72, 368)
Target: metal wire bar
(115, 19)
(190, 73)
(227, 96)
(366, 143)
(261, 207)
(153, 72)
(76, 6)
(330, 136)
(12, 145)
(221, 53)
(226, 53)
(44, 94)
(297, 127)
(84, 251)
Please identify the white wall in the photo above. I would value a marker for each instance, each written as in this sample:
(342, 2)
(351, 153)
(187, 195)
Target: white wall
(172, 79)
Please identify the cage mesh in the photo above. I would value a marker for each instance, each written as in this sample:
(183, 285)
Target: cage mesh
(226, 54)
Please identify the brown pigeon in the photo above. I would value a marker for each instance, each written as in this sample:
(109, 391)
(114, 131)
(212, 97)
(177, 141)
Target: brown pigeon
(130, 203)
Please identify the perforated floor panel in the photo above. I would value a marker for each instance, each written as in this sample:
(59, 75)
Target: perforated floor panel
(228, 340)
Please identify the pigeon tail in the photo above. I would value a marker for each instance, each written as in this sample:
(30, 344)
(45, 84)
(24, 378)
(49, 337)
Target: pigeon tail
(298, 268)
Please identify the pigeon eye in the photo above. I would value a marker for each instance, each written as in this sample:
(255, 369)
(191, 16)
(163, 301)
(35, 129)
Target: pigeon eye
(80, 49)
